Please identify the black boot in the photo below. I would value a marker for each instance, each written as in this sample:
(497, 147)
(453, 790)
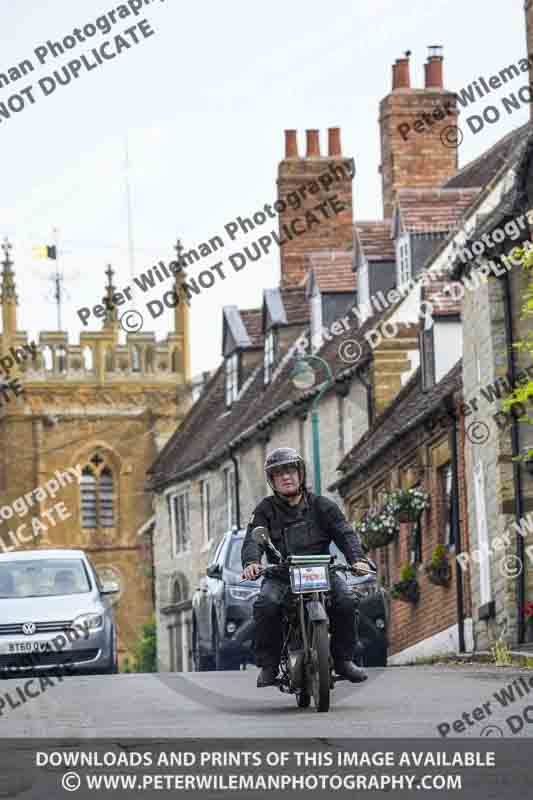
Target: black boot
(267, 677)
(348, 670)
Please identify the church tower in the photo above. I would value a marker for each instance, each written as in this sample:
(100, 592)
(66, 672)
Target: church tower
(92, 418)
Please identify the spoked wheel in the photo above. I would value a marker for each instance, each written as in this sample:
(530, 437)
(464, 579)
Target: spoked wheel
(320, 666)
(303, 699)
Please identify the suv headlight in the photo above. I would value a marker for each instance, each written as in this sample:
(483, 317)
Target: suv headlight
(91, 622)
(242, 592)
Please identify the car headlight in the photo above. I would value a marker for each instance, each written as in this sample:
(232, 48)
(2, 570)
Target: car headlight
(90, 622)
(242, 592)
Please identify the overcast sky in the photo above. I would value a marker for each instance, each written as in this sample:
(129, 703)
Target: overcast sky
(204, 103)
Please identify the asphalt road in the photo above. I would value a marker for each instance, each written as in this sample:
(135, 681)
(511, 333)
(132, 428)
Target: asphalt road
(394, 702)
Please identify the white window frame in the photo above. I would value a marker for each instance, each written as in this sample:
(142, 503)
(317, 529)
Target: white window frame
(269, 355)
(205, 509)
(179, 537)
(403, 260)
(363, 287)
(230, 497)
(232, 378)
(316, 321)
(485, 590)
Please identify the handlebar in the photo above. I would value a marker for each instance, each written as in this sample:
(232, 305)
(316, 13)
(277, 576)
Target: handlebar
(284, 567)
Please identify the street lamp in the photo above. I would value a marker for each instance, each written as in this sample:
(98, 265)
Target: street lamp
(303, 377)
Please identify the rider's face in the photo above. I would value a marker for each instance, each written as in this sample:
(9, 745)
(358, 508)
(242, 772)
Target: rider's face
(286, 479)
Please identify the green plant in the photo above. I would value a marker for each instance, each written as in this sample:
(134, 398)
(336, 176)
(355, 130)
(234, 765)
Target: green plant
(144, 650)
(438, 555)
(524, 392)
(406, 589)
(407, 573)
(501, 654)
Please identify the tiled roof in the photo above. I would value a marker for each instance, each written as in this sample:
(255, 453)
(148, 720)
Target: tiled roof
(332, 270)
(428, 210)
(440, 293)
(375, 240)
(482, 169)
(411, 407)
(253, 322)
(209, 428)
(296, 305)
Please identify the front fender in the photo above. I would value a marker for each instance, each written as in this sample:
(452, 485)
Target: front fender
(316, 611)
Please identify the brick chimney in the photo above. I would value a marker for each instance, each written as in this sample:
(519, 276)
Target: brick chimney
(303, 184)
(528, 5)
(416, 159)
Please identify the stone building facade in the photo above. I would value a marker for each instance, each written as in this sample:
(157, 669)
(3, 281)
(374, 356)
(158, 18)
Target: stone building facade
(107, 407)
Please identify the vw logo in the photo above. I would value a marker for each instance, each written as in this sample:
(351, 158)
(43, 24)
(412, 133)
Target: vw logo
(28, 628)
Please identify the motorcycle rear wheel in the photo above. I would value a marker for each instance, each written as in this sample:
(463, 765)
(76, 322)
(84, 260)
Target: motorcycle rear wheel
(321, 670)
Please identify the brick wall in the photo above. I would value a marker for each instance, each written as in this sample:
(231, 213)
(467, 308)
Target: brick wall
(300, 174)
(417, 457)
(417, 159)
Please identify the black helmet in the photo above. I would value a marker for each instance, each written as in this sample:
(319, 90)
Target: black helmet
(281, 456)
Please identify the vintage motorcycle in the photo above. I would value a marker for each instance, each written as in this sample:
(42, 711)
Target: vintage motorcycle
(306, 666)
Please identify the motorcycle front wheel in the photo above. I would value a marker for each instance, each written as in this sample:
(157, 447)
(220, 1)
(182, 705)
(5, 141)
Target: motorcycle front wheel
(320, 666)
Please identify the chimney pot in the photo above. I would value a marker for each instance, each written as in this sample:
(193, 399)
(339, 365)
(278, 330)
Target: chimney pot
(395, 75)
(334, 141)
(402, 73)
(433, 68)
(313, 143)
(291, 144)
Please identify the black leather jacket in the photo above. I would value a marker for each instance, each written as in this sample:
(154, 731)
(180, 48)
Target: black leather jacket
(306, 529)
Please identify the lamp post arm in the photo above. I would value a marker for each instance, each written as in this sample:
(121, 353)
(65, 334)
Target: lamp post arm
(314, 419)
(327, 383)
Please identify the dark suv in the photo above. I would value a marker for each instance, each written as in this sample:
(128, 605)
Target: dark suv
(222, 626)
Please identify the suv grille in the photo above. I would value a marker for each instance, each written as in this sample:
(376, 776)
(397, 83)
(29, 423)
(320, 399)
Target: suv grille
(15, 629)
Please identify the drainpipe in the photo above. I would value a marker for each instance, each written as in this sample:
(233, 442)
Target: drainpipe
(515, 450)
(456, 528)
(369, 397)
(237, 489)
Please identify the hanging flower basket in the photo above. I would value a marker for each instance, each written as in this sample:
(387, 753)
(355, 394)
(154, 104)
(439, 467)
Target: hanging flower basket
(377, 529)
(407, 504)
(407, 589)
(440, 575)
(438, 570)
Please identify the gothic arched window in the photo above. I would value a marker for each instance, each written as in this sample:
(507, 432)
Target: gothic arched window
(97, 494)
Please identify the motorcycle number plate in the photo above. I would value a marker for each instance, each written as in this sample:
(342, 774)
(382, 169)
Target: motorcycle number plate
(309, 579)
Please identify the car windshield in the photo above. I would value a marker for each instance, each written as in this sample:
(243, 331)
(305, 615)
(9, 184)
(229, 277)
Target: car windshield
(42, 578)
(233, 561)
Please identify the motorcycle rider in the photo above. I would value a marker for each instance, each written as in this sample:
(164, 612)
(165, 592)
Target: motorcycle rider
(300, 523)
